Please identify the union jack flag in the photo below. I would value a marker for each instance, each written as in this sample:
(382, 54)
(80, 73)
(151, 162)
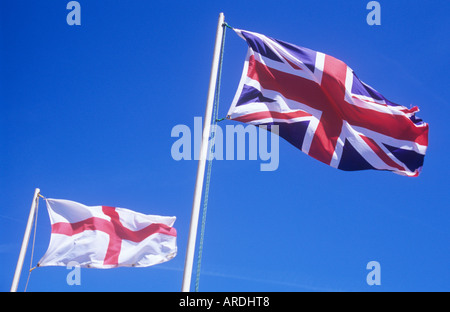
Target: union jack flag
(322, 108)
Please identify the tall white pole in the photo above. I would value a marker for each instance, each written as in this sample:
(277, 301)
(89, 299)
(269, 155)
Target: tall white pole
(202, 159)
(26, 238)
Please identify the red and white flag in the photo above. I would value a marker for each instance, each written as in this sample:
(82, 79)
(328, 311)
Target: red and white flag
(107, 237)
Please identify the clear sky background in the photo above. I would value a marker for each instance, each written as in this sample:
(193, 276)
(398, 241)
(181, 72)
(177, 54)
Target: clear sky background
(87, 113)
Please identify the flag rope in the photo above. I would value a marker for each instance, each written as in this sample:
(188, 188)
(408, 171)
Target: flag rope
(226, 25)
(210, 159)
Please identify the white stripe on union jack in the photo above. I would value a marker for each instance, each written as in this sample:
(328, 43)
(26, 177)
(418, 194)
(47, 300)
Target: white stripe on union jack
(322, 108)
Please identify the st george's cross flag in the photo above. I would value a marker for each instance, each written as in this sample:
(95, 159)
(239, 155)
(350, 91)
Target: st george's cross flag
(107, 237)
(322, 108)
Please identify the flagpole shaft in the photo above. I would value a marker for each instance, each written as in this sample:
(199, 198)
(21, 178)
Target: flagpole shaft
(26, 238)
(189, 261)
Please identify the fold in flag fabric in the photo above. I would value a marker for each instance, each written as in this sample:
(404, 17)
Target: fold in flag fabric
(107, 237)
(323, 109)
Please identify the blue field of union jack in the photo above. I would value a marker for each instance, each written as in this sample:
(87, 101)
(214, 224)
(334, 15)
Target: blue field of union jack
(322, 108)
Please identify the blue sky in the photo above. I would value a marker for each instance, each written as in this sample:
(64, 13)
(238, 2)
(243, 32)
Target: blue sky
(87, 113)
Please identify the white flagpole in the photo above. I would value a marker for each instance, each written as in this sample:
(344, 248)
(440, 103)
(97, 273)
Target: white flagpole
(26, 238)
(202, 159)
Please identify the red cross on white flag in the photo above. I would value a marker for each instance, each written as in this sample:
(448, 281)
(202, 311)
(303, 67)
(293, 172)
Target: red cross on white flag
(107, 237)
